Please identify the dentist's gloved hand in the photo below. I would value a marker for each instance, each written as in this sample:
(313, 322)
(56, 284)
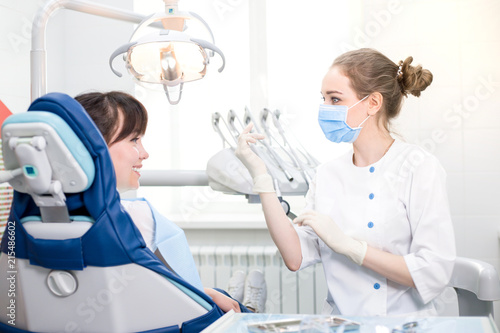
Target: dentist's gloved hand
(262, 181)
(331, 234)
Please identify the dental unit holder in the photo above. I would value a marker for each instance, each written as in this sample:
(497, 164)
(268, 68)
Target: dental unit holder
(227, 174)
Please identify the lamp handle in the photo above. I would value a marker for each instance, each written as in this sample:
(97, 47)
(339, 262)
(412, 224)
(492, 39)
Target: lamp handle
(118, 51)
(173, 102)
(212, 47)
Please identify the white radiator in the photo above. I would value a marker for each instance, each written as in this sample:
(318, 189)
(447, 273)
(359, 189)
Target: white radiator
(287, 292)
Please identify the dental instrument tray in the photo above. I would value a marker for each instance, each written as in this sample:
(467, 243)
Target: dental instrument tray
(332, 323)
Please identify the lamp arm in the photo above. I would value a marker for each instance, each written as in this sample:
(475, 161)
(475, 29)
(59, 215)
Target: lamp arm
(122, 49)
(148, 20)
(212, 47)
(38, 48)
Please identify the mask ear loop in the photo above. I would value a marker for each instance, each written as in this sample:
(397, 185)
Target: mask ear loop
(364, 121)
(361, 100)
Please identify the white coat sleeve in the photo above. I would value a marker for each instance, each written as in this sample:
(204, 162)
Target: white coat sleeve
(309, 243)
(432, 250)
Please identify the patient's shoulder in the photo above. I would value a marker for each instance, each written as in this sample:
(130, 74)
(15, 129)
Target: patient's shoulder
(141, 214)
(139, 210)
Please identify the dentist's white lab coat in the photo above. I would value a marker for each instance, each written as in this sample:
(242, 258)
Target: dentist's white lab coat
(398, 204)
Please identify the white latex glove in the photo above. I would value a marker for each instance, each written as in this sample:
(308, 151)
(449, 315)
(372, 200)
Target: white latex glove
(262, 181)
(331, 234)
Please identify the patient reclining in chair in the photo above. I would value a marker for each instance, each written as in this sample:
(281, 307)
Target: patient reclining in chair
(122, 120)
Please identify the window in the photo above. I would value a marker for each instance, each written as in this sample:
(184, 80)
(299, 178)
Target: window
(272, 62)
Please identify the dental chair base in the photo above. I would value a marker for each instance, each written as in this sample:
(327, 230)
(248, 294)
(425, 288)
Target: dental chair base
(77, 301)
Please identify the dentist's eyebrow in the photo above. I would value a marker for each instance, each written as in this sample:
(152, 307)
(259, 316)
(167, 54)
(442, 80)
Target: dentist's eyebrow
(333, 92)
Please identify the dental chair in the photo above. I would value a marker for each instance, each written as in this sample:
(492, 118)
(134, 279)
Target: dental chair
(71, 258)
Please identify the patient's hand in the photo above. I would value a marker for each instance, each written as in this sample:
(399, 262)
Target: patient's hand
(224, 302)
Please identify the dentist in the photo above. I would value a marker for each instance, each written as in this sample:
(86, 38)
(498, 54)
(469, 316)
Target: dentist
(377, 218)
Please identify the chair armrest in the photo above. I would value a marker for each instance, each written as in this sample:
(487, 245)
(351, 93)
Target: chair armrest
(476, 276)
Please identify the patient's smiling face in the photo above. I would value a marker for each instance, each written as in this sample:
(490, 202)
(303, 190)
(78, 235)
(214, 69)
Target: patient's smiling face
(122, 120)
(127, 156)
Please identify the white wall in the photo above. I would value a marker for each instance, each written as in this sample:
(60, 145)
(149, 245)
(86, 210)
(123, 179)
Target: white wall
(78, 49)
(457, 118)
(15, 25)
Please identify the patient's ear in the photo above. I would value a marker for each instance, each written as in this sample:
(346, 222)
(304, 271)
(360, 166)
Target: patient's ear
(375, 101)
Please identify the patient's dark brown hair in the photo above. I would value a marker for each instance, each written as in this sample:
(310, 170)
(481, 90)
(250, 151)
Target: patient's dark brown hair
(106, 109)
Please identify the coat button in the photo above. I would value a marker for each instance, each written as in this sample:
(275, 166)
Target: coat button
(371, 196)
(370, 224)
(372, 169)
(376, 286)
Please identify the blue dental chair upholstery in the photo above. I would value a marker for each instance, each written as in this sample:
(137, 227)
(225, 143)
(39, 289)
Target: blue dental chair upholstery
(71, 258)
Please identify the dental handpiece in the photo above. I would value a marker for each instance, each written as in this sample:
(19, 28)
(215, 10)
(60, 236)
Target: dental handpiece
(215, 124)
(231, 117)
(299, 161)
(263, 119)
(313, 162)
(249, 118)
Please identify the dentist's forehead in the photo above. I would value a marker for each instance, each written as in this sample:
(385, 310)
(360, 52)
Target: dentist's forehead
(335, 82)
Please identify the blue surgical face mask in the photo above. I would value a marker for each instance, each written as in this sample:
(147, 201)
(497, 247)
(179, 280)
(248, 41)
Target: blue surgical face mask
(333, 121)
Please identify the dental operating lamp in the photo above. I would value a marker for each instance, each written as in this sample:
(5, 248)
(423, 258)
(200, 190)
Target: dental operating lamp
(167, 57)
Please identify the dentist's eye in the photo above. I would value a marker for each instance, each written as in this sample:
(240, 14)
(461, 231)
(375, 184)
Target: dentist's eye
(335, 100)
(135, 140)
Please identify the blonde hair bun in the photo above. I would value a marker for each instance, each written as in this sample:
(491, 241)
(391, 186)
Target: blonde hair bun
(413, 79)
(370, 71)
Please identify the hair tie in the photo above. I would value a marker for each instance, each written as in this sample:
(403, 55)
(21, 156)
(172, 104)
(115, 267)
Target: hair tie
(400, 70)
(399, 78)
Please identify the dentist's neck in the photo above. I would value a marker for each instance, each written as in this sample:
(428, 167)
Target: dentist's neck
(371, 145)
